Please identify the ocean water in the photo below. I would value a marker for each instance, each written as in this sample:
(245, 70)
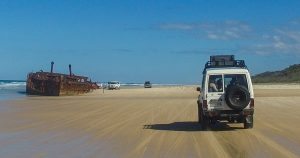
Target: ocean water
(12, 89)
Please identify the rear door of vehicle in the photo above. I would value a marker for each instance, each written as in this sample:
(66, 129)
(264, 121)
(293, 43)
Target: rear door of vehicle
(215, 91)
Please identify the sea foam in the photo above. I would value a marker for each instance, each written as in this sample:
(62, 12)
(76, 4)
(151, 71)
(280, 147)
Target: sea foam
(12, 84)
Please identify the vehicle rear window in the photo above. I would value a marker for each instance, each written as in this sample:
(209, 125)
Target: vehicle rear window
(215, 83)
(235, 79)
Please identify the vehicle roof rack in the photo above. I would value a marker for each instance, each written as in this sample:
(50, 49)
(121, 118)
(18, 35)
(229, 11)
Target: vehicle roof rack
(221, 61)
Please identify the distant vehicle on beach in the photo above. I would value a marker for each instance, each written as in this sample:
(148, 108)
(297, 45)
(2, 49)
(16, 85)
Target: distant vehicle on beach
(147, 84)
(113, 85)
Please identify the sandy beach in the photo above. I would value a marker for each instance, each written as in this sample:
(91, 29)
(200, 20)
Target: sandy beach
(138, 122)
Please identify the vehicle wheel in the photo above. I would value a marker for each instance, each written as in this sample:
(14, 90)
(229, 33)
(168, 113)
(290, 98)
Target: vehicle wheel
(212, 121)
(248, 121)
(204, 122)
(202, 119)
(199, 113)
(237, 97)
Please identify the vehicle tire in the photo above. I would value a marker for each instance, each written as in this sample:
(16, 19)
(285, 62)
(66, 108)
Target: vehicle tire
(202, 119)
(204, 122)
(237, 97)
(199, 112)
(248, 121)
(212, 121)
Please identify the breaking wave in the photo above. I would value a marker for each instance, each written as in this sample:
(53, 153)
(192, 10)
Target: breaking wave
(10, 89)
(12, 84)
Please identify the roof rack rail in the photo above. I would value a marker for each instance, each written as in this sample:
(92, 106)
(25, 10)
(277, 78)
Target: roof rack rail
(216, 64)
(220, 61)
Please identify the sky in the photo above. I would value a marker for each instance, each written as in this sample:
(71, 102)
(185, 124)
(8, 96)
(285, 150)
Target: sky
(137, 40)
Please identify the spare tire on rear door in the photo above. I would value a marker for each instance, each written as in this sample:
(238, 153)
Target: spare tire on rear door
(237, 97)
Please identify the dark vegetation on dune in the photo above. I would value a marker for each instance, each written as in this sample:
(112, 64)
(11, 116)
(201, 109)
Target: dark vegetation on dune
(288, 75)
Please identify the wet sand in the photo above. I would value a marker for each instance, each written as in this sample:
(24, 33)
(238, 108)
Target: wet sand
(157, 122)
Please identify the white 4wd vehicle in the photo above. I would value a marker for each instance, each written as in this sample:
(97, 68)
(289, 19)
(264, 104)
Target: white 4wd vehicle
(113, 85)
(226, 92)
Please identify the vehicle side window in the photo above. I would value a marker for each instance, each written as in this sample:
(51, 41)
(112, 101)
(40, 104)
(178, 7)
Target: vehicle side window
(215, 83)
(235, 79)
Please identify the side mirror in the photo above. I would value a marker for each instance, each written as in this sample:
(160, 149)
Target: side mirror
(198, 89)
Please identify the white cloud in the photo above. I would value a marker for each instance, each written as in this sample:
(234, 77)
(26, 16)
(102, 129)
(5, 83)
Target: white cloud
(211, 35)
(279, 40)
(226, 30)
(283, 41)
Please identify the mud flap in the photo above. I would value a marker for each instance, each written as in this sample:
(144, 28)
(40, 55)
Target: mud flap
(249, 119)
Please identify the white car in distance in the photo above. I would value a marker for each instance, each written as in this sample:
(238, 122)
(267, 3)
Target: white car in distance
(113, 85)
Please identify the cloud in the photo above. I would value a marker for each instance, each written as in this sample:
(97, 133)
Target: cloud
(242, 37)
(279, 41)
(226, 30)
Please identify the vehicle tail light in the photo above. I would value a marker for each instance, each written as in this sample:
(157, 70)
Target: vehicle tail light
(205, 104)
(252, 103)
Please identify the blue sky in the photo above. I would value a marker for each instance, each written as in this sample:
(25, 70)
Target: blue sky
(137, 40)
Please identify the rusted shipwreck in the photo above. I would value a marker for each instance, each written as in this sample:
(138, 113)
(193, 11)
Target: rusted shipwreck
(57, 84)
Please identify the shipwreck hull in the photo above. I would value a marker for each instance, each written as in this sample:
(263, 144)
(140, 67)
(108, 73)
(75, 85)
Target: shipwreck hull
(73, 88)
(41, 83)
(56, 84)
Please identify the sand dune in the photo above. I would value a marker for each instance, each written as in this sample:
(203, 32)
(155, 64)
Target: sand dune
(157, 122)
